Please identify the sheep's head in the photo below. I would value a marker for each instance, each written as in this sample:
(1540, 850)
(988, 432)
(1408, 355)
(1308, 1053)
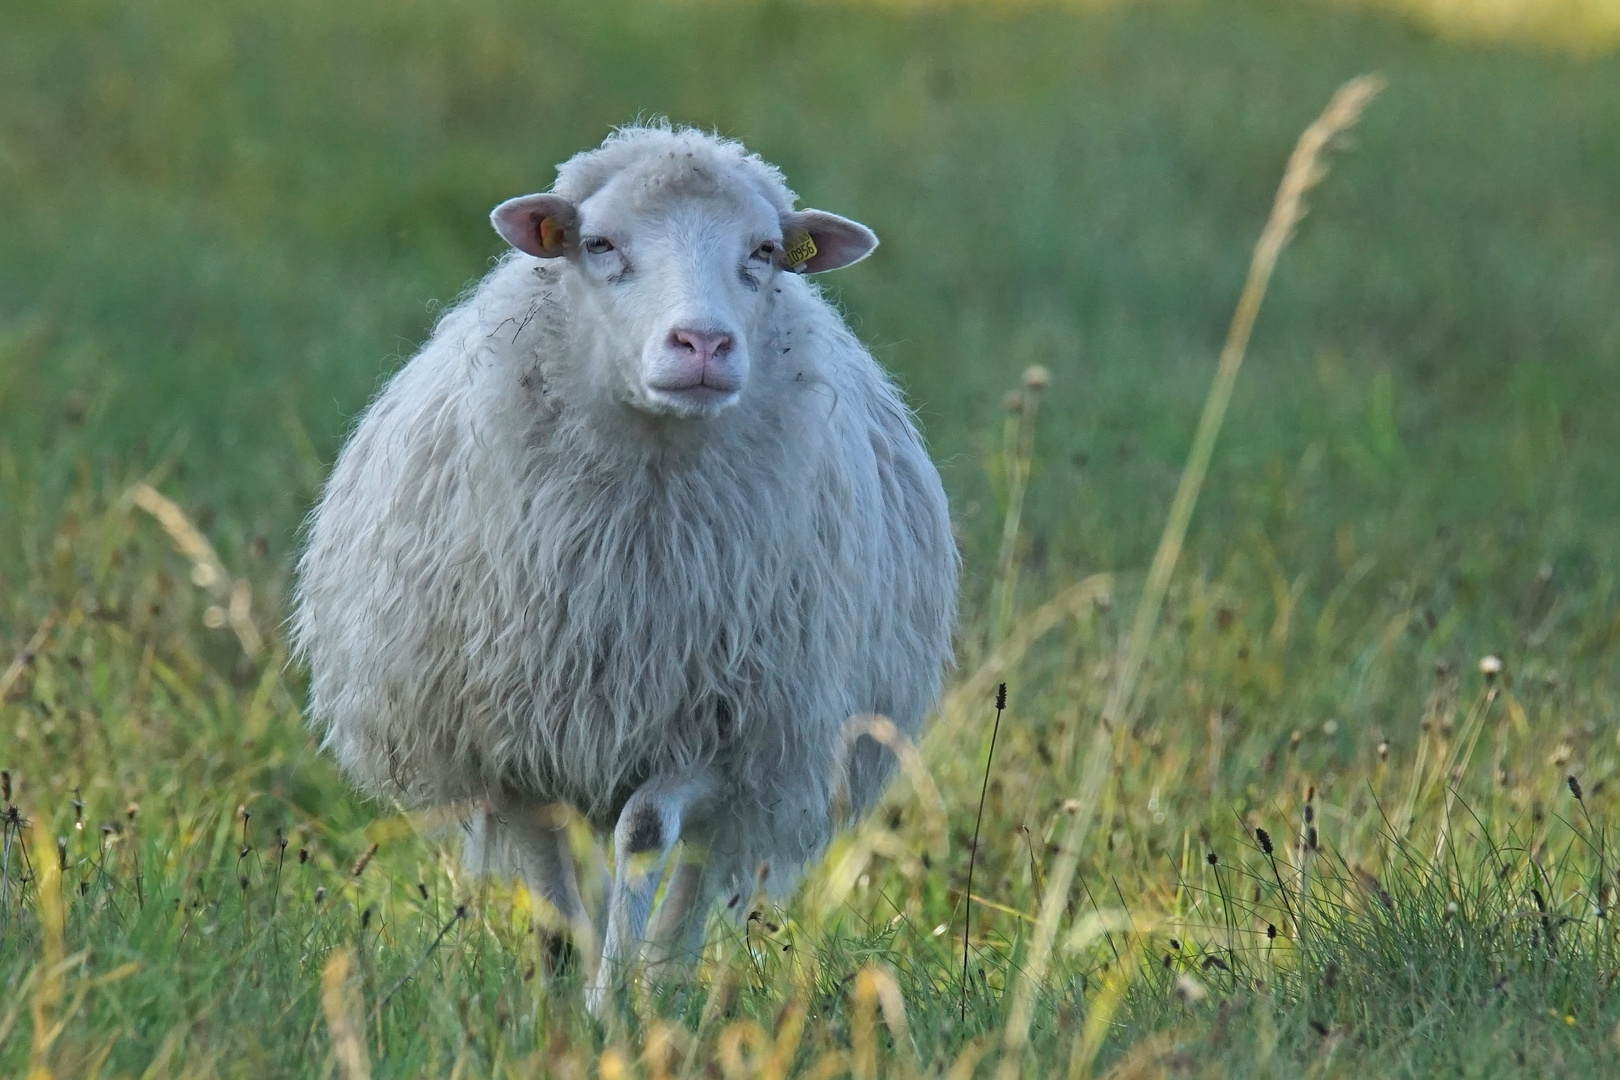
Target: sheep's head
(674, 273)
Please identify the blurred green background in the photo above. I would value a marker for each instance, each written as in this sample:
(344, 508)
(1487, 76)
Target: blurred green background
(226, 223)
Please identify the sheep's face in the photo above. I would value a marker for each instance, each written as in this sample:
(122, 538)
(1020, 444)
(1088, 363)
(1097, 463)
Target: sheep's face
(676, 285)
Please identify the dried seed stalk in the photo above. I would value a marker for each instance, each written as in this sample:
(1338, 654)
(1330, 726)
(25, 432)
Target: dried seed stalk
(1305, 169)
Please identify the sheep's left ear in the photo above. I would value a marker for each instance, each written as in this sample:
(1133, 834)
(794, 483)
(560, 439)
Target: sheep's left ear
(814, 240)
(545, 226)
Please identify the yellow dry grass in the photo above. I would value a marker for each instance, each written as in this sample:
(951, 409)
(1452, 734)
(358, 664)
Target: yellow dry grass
(1579, 26)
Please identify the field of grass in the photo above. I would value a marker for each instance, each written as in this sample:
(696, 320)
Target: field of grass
(226, 224)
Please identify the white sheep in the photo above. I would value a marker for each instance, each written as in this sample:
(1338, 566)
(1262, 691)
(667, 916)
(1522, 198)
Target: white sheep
(638, 531)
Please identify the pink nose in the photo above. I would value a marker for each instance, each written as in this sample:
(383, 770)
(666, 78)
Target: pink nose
(704, 345)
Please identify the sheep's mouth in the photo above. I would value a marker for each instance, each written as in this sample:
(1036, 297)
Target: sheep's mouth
(704, 389)
(691, 399)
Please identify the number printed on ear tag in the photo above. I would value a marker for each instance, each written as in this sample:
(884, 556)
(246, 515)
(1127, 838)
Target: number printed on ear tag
(800, 250)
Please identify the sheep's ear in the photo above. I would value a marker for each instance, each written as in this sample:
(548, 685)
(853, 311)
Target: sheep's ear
(544, 226)
(815, 240)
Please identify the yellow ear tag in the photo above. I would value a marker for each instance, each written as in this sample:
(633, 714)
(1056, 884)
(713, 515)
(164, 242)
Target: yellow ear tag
(800, 249)
(552, 235)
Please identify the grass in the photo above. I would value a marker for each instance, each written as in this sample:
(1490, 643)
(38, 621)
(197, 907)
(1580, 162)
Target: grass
(233, 221)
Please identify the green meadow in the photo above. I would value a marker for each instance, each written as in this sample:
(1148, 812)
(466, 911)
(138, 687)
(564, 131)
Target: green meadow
(1352, 817)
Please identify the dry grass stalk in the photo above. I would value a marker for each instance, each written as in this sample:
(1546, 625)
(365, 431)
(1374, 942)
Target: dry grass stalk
(234, 607)
(20, 993)
(863, 1028)
(20, 662)
(968, 1060)
(789, 1033)
(742, 1046)
(52, 973)
(1305, 169)
(612, 1065)
(340, 1000)
(1462, 752)
(893, 1005)
(1018, 442)
(663, 1043)
(1146, 1059)
(718, 1001)
(848, 858)
(876, 990)
(1100, 1016)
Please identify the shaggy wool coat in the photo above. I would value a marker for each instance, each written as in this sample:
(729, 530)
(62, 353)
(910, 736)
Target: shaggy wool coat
(515, 590)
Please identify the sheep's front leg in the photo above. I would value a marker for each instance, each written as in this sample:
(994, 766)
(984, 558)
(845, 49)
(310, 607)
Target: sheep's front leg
(540, 838)
(649, 827)
(675, 938)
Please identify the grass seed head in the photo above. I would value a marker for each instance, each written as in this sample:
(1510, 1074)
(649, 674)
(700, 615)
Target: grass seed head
(364, 861)
(1575, 788)
(1265, 840)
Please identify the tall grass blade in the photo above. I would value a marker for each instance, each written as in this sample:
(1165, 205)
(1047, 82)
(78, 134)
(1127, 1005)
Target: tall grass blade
(967, 899)
(1018, 451)
(51, 983)
(1304, 170)
(340, 1000)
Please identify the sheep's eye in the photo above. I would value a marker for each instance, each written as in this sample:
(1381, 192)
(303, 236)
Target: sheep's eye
(596, 245)
(764, 252)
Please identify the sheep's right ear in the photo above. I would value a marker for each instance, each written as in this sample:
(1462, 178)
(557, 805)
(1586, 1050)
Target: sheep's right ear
(544, 226)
